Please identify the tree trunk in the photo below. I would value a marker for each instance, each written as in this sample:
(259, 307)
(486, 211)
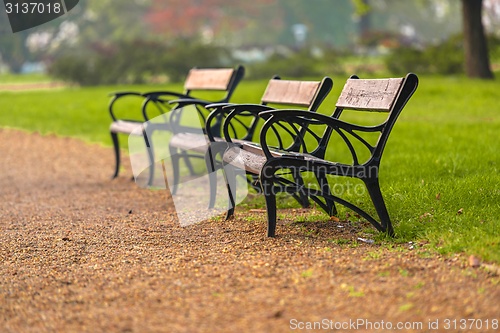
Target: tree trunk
(365, 23)
(477, 63)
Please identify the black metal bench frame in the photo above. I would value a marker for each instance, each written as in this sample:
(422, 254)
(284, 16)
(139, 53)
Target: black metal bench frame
(380, 95)
(198, 79)
(306, 94)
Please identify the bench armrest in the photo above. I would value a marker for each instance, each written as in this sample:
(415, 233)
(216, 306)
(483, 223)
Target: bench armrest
(233, 119)
(124, 93)
(188, 101)
(115, 96)
(214, 119)
(223, 110)
(247, 107)
(179, 108)
(157, 95)
(218, 105)
(161, 101)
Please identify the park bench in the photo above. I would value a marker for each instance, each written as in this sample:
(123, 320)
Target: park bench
(272, 161)
(243, 121)
(222, 80)
(285, 93)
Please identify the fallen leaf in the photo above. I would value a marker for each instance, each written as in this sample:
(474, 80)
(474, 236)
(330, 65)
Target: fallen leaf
(438, 196)
(426, 215)
(277, 314)
(474, 261)
(334, 218)
(257, 210)
(367, 241)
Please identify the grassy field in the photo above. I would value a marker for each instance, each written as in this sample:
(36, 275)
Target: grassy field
(24, 78)
(440, 173)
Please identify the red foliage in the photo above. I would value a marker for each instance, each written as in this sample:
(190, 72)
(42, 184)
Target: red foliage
(186, 18)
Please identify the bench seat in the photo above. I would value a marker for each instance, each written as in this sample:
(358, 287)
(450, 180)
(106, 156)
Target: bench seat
(126, 127)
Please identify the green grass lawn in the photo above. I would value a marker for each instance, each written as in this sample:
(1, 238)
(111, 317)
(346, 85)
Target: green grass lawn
(440, 172)
(24, 78)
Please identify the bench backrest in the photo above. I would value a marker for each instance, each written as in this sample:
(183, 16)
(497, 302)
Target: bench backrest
(370, 95)
(377, 95)
(214, 79)
(308, 94)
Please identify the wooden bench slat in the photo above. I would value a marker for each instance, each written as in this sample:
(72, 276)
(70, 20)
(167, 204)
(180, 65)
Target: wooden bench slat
(376, 94)
(126, 127)
(290, 92)
(252, 157)
(241, 158)
(208, 79)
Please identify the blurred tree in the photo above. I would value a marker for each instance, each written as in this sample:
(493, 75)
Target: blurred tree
(477, 63)
(328, 22)
(210, 19)
(113, 20)
(16, 49)
(13, 49)
(260, 22)
(364, 23)
(104, 21)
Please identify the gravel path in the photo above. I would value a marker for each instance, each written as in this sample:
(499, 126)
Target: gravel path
(82, 253)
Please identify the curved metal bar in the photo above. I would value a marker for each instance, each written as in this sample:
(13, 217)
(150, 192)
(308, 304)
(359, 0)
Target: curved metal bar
(278, 136)
(351, 206)
(300, 138)
(253, 109)
(201, 113)
(349, 145)
(363, 141)
(116, 97)
(239, 121)
(314, 135)
(209, 122)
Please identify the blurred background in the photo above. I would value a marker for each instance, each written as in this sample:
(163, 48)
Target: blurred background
(156, 41)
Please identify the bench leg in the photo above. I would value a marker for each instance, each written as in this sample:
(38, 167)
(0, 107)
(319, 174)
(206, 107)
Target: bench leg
(267, 189)
(116, 146)
(230, 178)
(266, 178)
(212, 176)
(151, 157)
(188, 163)
(378, 201)
(175, 158)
